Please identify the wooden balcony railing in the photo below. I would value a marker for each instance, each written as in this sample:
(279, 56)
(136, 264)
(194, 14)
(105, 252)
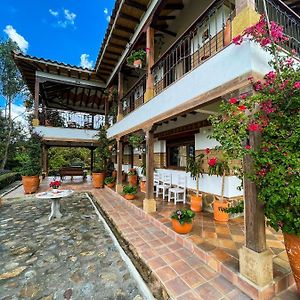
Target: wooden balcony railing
(287, 18)
(68, 119)
(208, 35)
(135, 96)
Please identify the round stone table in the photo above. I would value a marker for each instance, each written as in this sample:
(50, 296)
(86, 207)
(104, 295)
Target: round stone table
(55, 197)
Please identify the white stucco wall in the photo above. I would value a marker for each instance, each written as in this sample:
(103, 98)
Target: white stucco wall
(202, 141)
(229, 64)
(66, 133)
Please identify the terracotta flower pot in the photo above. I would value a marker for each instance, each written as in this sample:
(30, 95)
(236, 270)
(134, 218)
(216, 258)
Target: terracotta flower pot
(218, 214)
(181, 228)
(111, 185)
(143, 186)
(30, 184)
(292, 246)
(196, 203)
(129, 196)
(137, 63)
(132, 179)
(98, 180)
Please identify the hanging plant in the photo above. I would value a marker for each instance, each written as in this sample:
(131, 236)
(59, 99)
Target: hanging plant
(137, 58)
(136, 141)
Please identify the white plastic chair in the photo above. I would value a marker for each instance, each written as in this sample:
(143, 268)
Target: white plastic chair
(177, 190)
(166, 183)
(156, 180)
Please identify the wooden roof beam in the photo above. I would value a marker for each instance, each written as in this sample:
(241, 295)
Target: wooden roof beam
(124, 28)
(119, 37)
(166, 31)
(136, 5)
(129, 17)
(117, 46)
(164, 18)
(174, 6)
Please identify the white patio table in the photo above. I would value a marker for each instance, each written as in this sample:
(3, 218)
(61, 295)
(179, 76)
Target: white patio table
(55, 197)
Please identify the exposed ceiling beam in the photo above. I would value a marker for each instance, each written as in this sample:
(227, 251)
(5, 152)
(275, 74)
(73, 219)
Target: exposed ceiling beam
(136, 5)
(113, 53)
(166, 31)
(166, 18)
(129, 17)
(119, 37)
(117, 46)
(174, 6)
(124, 28)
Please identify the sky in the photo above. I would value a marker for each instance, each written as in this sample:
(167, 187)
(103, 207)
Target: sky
(69, 31)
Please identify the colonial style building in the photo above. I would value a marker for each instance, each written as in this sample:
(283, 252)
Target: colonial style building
(191, 65)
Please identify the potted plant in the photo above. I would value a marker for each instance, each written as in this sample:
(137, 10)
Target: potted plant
(137, 58)
(55, 184)
(129, 192)
(30, 160)
(132, 177)
(143, 177)
(182, 220)
(110, 181)
(220, 168)
(102, 157)
(194, 166)
(136, 140)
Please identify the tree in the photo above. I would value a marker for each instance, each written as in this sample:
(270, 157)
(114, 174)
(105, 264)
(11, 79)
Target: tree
(11, 85)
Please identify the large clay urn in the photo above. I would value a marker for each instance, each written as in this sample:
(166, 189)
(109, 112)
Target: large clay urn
(30, 184)
(292, 246)
(98, 179)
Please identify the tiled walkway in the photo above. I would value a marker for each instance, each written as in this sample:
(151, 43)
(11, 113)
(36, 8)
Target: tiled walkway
(219, 243)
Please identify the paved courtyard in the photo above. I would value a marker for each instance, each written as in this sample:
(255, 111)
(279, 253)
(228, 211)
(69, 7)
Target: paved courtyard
(70, 258)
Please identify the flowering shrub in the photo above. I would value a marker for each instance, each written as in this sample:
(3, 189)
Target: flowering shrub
(55, 184)
(270, 115)
(183, 216)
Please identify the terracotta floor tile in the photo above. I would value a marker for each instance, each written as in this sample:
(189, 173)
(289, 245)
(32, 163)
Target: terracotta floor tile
(170, 257)
(163, 250)
(237, 295)
(223, 285)
(166, 273)
(220, 255)
(189, 296)
(193, 279)
(175, 246)
(206, 272)
(156, 243)
(183, 253)
(180, 267)
(194, 262)
(148, 254)
(207, 291)
(156, 263)
(177, 286)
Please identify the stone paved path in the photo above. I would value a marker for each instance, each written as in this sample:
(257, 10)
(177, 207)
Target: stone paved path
(71, 258)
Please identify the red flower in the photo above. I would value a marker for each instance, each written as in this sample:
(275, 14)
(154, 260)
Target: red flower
(262, 172)
(248, 147)
(296, 85)
(233, 100)
(253, 127)
(207, 150)
(243, 96)
(212, 162)
(237, 40)
(242, 107)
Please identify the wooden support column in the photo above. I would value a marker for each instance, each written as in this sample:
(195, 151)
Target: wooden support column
(35, 121)
(106, 112)
(149, 94)
(120, 95)
(256, 262)
(45, 159)
(119, 185)
(246, 16)
(92, 159)
(149, 203)
(131, 162)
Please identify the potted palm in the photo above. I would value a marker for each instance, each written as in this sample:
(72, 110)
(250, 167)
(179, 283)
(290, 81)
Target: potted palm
(110, 181)
(137, 58)
(103, 155)
(132, 177)
(129, 192)
(182, 220)
(220, 168)
(30, 160)
(194, 166)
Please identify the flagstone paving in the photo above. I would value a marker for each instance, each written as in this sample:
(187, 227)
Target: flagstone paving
(69, 258)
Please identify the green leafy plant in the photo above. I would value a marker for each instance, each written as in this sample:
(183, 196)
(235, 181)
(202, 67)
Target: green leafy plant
(136, 55)
(109, 180)
(264, 128)
(183, 215)
(236, 209)
(194, 166)
(219, 167)
(136, 140)
(129, 190)
(132, 172)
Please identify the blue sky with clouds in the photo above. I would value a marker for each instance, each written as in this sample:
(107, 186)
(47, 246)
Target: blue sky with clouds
(65, 30)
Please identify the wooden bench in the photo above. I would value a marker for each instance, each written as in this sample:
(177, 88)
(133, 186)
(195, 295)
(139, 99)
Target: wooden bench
(72, 171)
